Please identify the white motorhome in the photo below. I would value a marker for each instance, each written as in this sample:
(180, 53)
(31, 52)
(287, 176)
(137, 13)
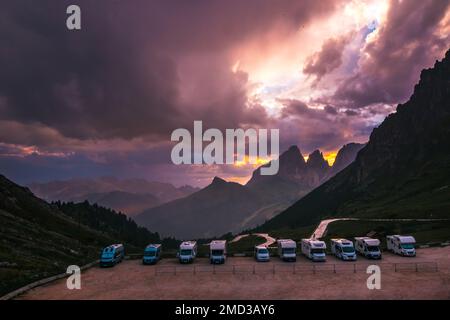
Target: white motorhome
(314, 249)
(287, 249)
(402, 245)
(368, 247)
(187, 251)
(217, 251)
(261, 253)
(343, 249)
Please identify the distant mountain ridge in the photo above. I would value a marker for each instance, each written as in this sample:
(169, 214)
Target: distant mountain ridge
(223, 206)
(130, 196)
(402, 172)
(211, 211)
(296, 176)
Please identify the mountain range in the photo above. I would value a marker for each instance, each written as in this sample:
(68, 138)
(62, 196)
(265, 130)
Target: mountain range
(402, 172)
(223, 206)
(130, 196)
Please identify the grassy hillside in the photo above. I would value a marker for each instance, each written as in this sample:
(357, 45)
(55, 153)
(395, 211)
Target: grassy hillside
(422, 193)
(107, 221)
(245, 245)
(39, 240)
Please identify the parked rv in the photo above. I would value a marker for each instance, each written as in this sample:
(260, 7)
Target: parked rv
(402, 245)
(187, 251)
(217, 251)
(287, 249)
(368, 247)
(152, 254)
(343, 249)
(112, 255)
(261, 253)
(314, 249)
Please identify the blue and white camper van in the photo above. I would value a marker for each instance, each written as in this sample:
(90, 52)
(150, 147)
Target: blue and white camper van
(152, 254)
(112, 255)
(343, 249)
(187, 251)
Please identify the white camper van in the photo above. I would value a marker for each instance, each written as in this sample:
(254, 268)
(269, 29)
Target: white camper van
(314, 249)
(402, 245)
(187, 252)
(368, 247)
(217, 251)
(343, 249)
(287, 249)
(261, 253)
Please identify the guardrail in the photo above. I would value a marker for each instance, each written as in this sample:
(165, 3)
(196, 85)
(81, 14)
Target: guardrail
(41, 282)
(294, 268)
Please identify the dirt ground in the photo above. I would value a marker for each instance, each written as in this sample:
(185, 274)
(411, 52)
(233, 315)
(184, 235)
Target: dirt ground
(333, 279)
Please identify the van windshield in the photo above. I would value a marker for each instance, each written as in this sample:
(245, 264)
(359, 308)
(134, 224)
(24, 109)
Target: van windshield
(407, 246)
(288, 250)
(372, 248)
(185, 252)
(263, 251)
(348, 249)
(151, 253)
(315, 251)
(216, 252)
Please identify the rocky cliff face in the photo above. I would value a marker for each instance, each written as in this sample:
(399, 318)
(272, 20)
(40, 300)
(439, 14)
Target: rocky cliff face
(344, 157)
(403, 171)
(418, 130)
(317, 168)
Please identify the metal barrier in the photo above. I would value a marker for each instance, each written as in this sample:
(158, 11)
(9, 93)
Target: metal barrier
(41, 282)
(294, 268)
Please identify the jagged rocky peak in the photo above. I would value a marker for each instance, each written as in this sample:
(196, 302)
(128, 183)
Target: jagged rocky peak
(347, 154)
(316, 160)
(292, 155)
(291, 162)
(218, 181)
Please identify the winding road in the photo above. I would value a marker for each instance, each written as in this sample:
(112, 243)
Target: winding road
(269, 239)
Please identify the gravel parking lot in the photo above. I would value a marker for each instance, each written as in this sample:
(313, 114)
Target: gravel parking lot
(243, 278)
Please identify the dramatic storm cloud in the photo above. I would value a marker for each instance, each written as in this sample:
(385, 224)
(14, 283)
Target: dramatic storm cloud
(104, 100)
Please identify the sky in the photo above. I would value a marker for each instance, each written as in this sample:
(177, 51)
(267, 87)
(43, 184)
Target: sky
(104, 100)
